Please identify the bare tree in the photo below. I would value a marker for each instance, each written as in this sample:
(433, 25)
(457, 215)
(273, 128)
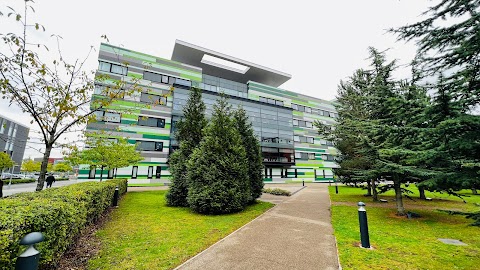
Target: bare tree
(57, 94)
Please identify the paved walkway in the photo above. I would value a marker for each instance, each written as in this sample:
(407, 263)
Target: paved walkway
(295, 234)
(30, 187)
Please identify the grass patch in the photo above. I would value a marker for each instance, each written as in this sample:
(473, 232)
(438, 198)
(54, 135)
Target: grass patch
(147, 185)
(144, 233)
(402, 243)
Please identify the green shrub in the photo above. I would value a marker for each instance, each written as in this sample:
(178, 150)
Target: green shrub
(59, 213)
(277, 191)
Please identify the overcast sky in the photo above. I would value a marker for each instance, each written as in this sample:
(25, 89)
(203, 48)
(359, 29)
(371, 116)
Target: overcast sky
(318, 42)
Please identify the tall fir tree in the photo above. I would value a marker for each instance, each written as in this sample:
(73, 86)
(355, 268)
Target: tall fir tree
(217, 170)
(452, 49)
(253, 152)
(188, 133)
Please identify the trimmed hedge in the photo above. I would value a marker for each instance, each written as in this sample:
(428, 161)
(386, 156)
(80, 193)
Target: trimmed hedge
(59, 213)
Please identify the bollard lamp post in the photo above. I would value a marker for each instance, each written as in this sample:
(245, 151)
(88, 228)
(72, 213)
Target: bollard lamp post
(362, 218)
(115, 197)
(29, 259)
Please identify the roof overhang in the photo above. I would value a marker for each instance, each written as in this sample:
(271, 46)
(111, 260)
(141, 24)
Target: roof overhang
(191, 54)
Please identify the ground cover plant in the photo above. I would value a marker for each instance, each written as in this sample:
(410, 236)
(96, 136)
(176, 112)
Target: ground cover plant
(277, 191)
(144, 233)
(402, 243)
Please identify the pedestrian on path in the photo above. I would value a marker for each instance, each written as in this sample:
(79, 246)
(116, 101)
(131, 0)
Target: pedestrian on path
(50, 179)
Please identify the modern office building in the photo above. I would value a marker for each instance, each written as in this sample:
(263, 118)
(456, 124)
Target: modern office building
(13, 140)
(282, 120)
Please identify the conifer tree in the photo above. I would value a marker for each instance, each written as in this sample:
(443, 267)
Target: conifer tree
(188, 134)
(217, 169)
(253, 152)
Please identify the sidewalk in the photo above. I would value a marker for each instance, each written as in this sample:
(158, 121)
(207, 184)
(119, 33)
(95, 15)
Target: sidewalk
(295, 234)
(30, 187)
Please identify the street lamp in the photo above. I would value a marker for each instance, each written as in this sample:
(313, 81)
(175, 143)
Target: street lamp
(11, 174)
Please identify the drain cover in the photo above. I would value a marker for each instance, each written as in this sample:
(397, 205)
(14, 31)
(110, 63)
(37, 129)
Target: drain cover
(452, 242)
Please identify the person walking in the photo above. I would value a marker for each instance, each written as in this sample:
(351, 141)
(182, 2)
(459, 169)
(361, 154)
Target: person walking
(50, 179)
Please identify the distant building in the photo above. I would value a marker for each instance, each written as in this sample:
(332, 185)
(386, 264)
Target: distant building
(283, 120)
(13, 140)
(52, 161)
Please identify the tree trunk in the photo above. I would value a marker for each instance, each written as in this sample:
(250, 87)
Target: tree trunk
(43, 167)
(398, 196)
(374, 190)
(101, 173)
(474, 191)
(369, 189)
(421, 190)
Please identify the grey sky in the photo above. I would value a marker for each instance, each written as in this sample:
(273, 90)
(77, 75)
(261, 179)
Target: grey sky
(317, 42)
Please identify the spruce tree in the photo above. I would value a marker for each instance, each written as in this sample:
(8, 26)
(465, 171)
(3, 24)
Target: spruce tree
(188, 134)
(253, 152)
(217, 169)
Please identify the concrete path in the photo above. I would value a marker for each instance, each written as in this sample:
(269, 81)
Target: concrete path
(30, 187)
(295, 234)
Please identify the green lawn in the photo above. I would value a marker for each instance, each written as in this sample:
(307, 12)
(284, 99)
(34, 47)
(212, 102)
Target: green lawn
(401, 243)
(144, 233)
(147, 185)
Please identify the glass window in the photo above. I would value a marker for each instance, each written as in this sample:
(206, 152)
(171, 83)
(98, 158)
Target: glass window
(91, 173)
(308, 124)
(104, 66)
(329, 143)
(279, 102)
(134, 172)
(164, 79)
(295, 107)
(271, 101)
(303, 139)
(301, 108)
(111, 117)
(110, 173)
(295, 122)
(323, 142)
(296, 138)
(310, 140)
(158, 172)
(119, 70)
(150, 172)
(99, 90)
(149, 146)
(311, 155)
(298, 155)
(3, 123)
(324, 157)
(308, 109)
(262, 99)
(301, 123)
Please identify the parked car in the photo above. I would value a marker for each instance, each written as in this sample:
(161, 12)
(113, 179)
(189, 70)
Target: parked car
(9, 175)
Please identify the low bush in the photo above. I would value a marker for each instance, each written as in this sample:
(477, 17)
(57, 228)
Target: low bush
(277, 191)
(59, 213)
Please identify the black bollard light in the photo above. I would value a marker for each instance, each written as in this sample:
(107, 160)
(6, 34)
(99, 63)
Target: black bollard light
(303, 183)
(362, 218)
(28, 260)
(336, 187)
(115, 197)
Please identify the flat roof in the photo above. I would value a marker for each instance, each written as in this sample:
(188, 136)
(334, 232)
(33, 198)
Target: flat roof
(14, 121)
(191, 54)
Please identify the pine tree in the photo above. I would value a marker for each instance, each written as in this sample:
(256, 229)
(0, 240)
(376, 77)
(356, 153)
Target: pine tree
(253, 152)
(217, 169)
(188, 134)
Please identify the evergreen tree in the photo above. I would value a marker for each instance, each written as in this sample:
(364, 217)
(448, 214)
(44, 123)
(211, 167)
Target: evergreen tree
(253, 152)
(452, 49)
(188, 134)
(217, 169)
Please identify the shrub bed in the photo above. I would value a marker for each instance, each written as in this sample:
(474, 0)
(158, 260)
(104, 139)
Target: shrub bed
(277, 191)
(59, 213)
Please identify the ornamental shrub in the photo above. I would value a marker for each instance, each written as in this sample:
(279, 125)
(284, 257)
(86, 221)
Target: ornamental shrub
(217, 169)
(59, 213)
